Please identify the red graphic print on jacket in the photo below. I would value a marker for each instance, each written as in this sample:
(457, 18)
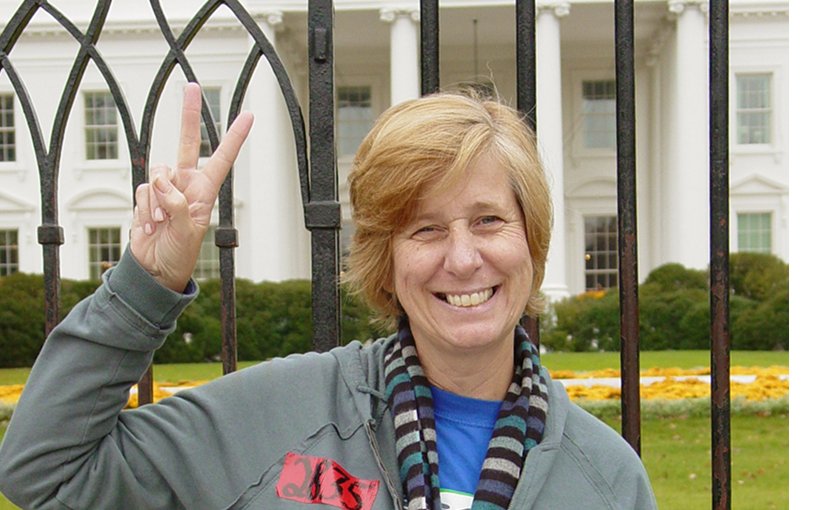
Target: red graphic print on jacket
(316, 480)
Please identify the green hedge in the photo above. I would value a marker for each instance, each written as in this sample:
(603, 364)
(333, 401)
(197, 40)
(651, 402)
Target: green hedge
(273, 319)
(674, 310)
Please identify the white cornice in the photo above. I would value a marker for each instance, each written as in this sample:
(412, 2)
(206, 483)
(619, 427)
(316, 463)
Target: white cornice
(759, 9)
(226, 22)
(131, 27)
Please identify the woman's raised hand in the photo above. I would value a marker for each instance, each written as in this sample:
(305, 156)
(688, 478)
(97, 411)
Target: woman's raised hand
(174, 208)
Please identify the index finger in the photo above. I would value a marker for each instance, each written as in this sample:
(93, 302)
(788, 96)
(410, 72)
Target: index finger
(190, 127)
(224, 156)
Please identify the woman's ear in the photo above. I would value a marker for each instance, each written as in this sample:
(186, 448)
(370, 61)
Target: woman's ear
(389, 286)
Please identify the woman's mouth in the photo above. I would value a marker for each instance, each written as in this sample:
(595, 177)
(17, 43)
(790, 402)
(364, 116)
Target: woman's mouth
(468, 300)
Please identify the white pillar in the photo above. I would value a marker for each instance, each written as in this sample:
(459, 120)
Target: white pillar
(271, 244)
(404, 74)
(685, 208)
(551, 138)
(655, 155)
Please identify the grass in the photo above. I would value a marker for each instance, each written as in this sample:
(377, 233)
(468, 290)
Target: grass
(676, 453)
(172, 372)
(582, 361)
(578, 361)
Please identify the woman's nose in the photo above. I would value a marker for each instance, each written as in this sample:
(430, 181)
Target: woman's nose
(462, 257)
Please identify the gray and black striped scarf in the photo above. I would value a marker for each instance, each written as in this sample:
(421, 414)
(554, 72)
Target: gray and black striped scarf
(519, 426)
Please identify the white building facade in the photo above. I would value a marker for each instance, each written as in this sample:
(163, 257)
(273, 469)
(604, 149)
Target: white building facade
(376, 65)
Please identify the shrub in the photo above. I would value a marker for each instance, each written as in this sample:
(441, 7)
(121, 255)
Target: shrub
(675, 310)
(757, 276)
(676, 276)
(763, 326)
(273, 319)
(21, 319)
(662, 315)
(587, 322)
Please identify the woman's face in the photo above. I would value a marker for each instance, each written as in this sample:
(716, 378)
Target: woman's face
(462, 267)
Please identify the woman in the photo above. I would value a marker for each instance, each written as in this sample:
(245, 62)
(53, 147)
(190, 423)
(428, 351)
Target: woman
(452, 221)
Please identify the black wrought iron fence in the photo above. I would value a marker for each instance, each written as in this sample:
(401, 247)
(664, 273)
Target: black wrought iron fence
(318, 172)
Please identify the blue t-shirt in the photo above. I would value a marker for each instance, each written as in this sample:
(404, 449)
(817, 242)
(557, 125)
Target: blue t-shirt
(463, 428)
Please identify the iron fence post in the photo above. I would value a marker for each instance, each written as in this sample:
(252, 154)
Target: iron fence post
(626, 192)
(719, 256)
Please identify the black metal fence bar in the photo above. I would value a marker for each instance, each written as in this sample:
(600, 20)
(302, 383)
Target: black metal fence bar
(626, 195)
(526, 60)
(429, 47)
(719, 257)
(526, 94)
(323, 213)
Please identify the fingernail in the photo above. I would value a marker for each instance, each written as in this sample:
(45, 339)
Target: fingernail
(158, 214)
(147, 229)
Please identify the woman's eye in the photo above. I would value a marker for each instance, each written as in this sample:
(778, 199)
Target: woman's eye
(489, 220)
(428, 231)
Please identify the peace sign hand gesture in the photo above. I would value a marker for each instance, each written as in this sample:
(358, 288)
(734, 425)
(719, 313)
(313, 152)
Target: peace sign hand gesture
(174, 209)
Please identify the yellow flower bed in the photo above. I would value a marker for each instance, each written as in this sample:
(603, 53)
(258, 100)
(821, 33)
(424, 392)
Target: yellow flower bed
(157, 394)
(763, 388)
(668, 372)
(768, 385)
(9, 394)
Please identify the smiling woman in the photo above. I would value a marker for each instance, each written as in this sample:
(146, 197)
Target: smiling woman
(473, 245)
(452, 226)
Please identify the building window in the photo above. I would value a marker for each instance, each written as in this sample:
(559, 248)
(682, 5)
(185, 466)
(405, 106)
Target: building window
(7, 141)
(208, 264)
(101, 126)
(104, 249)
(213, 99)
(754, 232)
(9, 258)
(599, 114)
(354, 117)
(753, 108)
(601, 252)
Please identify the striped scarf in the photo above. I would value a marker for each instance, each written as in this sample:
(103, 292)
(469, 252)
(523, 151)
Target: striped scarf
(519, 426)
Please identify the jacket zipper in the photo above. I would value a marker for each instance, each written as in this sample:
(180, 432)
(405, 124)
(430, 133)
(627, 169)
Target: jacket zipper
(396, 499)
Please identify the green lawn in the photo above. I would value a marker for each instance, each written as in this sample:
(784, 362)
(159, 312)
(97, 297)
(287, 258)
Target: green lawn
(676, 453)
(582, 361)
(579, 361)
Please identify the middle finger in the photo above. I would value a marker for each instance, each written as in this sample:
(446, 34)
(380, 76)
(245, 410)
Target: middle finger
(190, 127)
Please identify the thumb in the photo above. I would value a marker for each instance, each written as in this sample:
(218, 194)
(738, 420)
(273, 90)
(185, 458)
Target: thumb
(170, 199)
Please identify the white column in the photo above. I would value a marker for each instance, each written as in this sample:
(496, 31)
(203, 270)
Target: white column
(655, 155)
(404, 74)
(685, 207)
(551, 138)
(273, 216)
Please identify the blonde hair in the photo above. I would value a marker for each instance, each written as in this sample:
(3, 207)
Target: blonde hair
(433, 141)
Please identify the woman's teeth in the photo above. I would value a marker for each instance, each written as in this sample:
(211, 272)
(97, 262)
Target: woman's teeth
(474, 299)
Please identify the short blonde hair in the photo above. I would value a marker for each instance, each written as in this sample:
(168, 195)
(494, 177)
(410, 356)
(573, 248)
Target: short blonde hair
(433, 141)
